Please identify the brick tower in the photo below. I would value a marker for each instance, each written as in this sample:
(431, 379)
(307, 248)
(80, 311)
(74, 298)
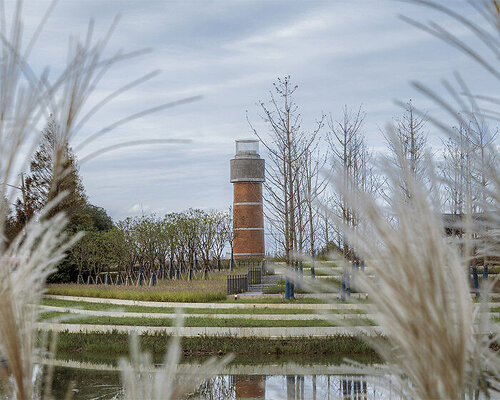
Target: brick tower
(247, 175)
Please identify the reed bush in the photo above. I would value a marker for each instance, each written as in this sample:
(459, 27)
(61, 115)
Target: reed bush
(440, 345)
(28, 98)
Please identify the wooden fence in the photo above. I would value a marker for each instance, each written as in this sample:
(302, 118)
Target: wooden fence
(237, 284)
(254, 276)
(149, 276)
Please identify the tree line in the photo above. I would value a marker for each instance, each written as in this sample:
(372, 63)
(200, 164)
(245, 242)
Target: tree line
(193, 238)
(148, 242)
(305, 214)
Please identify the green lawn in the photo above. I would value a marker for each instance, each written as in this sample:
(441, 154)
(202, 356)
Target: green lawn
(101, 347)
(193, 321)
(279, 287)
(168, 310)
(176, 291)
(277, 300)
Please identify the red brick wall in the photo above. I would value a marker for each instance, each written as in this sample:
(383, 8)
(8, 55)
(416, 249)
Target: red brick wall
(248, 243)
(247, 192)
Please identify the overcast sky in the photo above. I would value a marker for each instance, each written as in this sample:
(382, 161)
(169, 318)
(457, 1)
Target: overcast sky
(339, 52)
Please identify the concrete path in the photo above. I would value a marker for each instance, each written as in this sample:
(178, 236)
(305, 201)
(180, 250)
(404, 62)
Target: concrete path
(238, 332)
(270, 317)
(339, 306)
(221, 306)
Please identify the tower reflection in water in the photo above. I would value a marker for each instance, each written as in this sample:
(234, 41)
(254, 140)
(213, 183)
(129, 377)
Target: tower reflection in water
(250, 387)
(292, 387)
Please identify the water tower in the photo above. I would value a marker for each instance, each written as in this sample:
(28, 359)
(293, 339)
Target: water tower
(247, 175)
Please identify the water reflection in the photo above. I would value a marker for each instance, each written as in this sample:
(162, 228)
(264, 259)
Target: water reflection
(239, 382)
(292, 387)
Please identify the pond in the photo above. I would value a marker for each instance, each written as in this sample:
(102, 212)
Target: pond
(276, 379)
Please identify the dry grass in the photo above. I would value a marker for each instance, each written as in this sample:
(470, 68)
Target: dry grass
(177, 291)
(439, 342)
(27, 99)
(142, 381)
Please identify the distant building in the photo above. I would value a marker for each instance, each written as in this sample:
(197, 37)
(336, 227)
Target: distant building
(247, 176)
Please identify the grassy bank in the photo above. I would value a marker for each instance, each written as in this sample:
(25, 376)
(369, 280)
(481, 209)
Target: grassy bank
(177, 291)
(279, 300)
(117, 344)
(279, 287)
(194, 321)
(170, 310)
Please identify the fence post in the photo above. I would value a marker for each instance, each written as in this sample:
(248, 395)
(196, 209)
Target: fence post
(485, 273)
(301, 273)
(231, 263)
(190, 277)
(313, 271)
(153, 280)
(348, 284)
(140, 276)
(476, 281)
(342, 288)
(353, 271)
(218, 264)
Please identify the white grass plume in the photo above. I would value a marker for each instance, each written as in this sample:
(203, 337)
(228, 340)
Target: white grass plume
(24, 268)
(421, 295)
(26, 100)
(141, 380)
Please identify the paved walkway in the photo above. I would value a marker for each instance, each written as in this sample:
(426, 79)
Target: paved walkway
(272, 317)
(337, 306)
(239, 332)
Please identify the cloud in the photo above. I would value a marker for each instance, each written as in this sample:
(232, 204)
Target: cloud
(342, 52)
(139, 209)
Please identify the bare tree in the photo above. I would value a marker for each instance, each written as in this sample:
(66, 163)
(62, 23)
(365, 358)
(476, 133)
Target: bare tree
(457, 171)
(411, 140)
(351, 163)
(288, 145)
(314, 186)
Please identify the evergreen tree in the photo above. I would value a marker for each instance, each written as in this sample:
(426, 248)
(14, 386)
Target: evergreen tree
(53, 170)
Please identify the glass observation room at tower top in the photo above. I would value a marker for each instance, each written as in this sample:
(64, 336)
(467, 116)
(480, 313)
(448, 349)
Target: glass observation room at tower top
(247, 147)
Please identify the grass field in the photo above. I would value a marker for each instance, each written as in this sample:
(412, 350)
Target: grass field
(176, 291)
(279, 287)
(192, 321)
(142, 309)
(278, 300)
(104, 345)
